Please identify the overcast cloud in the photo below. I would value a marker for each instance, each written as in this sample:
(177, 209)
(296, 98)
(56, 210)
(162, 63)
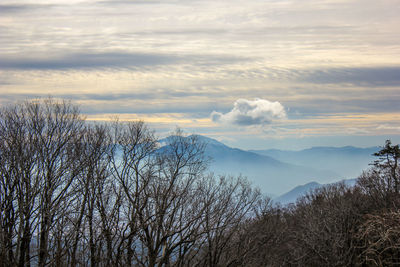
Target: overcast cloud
(190, 58)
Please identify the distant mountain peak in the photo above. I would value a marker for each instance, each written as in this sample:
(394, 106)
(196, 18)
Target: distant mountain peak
(201, 138)
(207, 140)
(302, 190)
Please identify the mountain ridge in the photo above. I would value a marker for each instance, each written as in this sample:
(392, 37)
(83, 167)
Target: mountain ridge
(301, 190)
(278, 171)
(348, 161)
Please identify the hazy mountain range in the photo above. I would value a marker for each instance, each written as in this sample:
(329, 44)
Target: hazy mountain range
(347, 161)
(277, 171)
(301, 190)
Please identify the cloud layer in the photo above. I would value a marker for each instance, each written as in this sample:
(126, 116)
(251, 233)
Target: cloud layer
(334, 63)
(106, 60)
(251, 112)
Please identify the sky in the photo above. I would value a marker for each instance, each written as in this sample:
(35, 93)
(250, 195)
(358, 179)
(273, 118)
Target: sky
(253, 74)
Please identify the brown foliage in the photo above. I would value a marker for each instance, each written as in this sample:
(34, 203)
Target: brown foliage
(379, 237)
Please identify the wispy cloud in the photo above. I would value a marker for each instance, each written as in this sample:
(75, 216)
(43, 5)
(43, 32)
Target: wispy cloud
(367, 76)
(108, 60)
(389, 127)
(86, 60)
(17, 8)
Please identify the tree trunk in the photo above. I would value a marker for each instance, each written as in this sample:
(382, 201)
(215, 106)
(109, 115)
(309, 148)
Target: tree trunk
(43, 246)
(24, 247)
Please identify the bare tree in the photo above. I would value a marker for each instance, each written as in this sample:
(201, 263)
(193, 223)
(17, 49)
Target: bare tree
(159, 187)
(230, 201)
(323, 224)
(261, 239)
(79, 194)
(379, 238)
(41, 158)
(20, 183)
(132, 146)
(95, 145)
(57, 126)
(381, 182)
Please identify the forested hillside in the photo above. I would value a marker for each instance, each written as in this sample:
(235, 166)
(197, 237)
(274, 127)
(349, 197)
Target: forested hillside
(74, 193)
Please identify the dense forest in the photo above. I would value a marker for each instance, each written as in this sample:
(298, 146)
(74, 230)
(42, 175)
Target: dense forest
(76, 193)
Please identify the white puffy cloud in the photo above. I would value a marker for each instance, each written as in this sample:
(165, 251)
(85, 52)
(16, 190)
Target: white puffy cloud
(251, 112)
